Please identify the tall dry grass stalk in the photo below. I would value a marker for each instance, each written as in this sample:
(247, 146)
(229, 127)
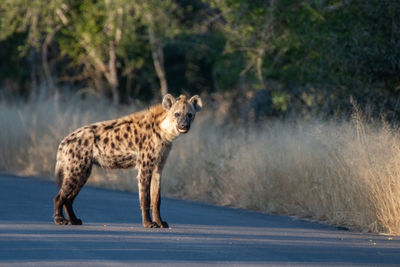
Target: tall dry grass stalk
(343, 173)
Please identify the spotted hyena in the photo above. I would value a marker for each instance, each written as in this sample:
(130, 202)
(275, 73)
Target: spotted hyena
(141, 140)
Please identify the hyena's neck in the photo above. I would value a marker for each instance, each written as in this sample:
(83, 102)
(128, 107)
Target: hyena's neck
(166, 129)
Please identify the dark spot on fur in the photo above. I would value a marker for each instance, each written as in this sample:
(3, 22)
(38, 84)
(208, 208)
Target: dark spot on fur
(118, 138)
(86, 153)
(105, 140)
(147, 126)
(109, 127)
(128, 128)
(135, 132)
(112, 145)
(136, 140)
(96, 138)
(130, 144)
(116, 130)
(124, 122)
(86, 142)
(69, 141)
(79, 142)
(125, 135)
(70, 151)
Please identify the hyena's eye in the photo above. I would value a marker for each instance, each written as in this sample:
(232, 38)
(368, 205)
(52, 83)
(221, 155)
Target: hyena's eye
(177, 114)
(190, 115)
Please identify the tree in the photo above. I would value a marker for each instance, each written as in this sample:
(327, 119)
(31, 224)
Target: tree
(160, 18)
(39, 20)
(93, 30)
(91, 35)
(248, 27)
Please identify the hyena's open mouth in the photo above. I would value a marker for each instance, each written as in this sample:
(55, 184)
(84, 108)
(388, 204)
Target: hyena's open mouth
(184, 130)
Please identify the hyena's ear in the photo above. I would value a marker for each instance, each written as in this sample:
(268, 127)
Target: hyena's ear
(168, 101)
(196, 102)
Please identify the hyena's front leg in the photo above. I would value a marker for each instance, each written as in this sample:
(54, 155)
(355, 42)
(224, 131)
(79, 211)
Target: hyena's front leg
(144, 197)
(155, 197)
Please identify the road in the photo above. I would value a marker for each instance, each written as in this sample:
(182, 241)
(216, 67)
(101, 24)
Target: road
(200, 234)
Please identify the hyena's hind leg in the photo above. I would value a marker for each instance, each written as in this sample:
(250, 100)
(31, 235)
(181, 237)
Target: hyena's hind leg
(70, 188)
(69, 211)
(59, 201)
(60, 198)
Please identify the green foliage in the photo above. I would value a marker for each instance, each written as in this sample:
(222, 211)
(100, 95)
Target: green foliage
(34, 17)
(342, 48)
(310, 55)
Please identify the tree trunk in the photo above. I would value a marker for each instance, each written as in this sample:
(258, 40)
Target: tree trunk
(110, 71)
(111, 75)
(129, 74)
(158, 58)
(45, 64)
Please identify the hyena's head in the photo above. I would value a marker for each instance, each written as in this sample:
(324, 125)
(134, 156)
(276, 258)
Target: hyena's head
(181, 112)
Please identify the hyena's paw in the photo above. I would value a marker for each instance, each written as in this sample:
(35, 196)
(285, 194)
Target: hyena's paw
(150, 225)
(76, 222)
(60, 220)
(162, 224)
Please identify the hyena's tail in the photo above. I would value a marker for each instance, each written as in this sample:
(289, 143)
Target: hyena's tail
(59, 174)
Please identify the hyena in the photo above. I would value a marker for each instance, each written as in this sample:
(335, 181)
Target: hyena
(142, 140)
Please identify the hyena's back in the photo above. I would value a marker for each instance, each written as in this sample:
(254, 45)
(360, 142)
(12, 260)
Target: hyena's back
(107, 144)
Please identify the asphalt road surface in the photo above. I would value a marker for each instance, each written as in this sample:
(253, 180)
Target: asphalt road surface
(200, 234)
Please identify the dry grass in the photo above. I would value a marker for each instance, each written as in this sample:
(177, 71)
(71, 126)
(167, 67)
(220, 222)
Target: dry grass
(342, 173)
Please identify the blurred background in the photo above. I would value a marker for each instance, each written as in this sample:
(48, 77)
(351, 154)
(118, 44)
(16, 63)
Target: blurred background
(301, 97)
(272, 56)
